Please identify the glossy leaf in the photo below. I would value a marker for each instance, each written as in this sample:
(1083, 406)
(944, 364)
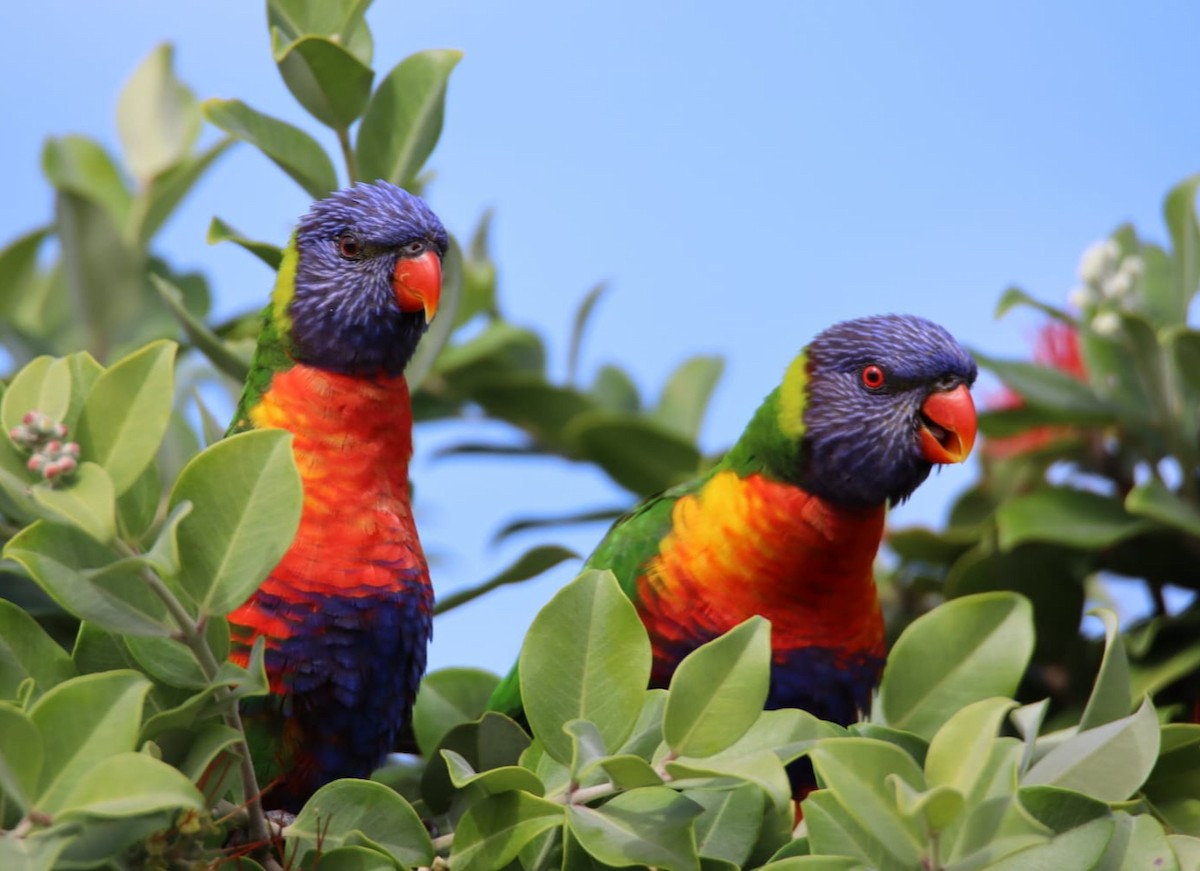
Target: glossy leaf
(26, 651)
(81, 166)
(1180, 212)
(21, 754)
(158, 117)
(88, 580)
(1062, 515)
(1079, 848)
(579, 325)
(246, 497)
(404, 118)
(162, 196)
(87, 500)
(340, 20)
(18, 265)
(1138, 842)
(650, 826)
(1111, 698)
(220, 231)
(640, 456)
(126, 413)
(586, 656)
(288, 147)
(493, 831)
(326, 78)
(218, 352)
(506, 778)
(718, 690)
(347, 812)
(962, 748)
(530, 564)
(43, 384)
(129, 784)
(1108, 762)
(963, 651)
(1049, 388)
(855, 772)
(492, 742)
(448, 697)
(74, 744)
(687, 393)
(1152, 499)
(729, 824)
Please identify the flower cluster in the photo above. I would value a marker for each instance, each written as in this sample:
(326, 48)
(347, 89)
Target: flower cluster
(1110, 284)
(51, 456)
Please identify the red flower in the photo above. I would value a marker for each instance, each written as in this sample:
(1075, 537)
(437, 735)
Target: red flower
(1056, 346)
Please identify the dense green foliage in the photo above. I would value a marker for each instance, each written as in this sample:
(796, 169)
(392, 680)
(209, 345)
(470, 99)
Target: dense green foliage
(1001, 737)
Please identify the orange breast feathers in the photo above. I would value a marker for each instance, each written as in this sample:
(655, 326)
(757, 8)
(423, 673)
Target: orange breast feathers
(746, 546)
(353, 442)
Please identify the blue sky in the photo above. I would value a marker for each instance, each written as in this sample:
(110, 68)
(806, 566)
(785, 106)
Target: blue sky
(741, 176)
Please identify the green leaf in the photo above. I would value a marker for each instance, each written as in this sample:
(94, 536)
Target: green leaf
(349, 812)
(163, 555)
(728, 827)
(1108, 762)
(75, 744)
(1187, 849)
(167, 660)
(18, 269)
(962, 748)
(158, 118)
(493, 742)
(530, 564)
(129, 784)
(586, 656)
(933, 810)
(86, 501)
(1062, 515)
(158, 201)
(651, 826)
(220, 231)
(1153, 500)
(1079, 848)
(1185, 350)
(43, 384)
(816, 863)
(103, 271)
(855, 772)
(219, 354)
(1176, 773)
(685, 398)
(626, 771)
(1050, 388)
(246, 498)
(1138, 842)
(21, 755)
(325, 78)
(1180, 212)
(965, 650)
(343, 21)
(719, 690)
(26, 651)
(404, 118)
(527, 401)
(587, 747)
(507, 778)
(583, 314)
(639, 455)
(81, 166)
(447, 698)
(126, 413)
(614, 390)
(1111, 697)
(1014, 296)
(493, 831)
(288, 147)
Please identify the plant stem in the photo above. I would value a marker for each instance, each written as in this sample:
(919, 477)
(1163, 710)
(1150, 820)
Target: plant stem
(192, 634)
(343, 135)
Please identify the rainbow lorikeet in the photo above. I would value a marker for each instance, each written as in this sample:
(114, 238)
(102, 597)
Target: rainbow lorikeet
(346, 615)
(788, 524)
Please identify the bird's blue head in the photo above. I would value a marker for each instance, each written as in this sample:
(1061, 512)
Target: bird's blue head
(887, 397)
(368, 268)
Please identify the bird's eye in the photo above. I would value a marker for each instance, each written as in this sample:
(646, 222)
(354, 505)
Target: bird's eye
(349, 247)
(872, 377)
(412, 249)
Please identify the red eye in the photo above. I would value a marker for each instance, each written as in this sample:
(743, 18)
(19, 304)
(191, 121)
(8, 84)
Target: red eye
(349, 247)
(872, 377)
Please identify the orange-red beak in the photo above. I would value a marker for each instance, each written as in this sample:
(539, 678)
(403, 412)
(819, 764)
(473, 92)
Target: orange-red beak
(948, 424)
(418, 283)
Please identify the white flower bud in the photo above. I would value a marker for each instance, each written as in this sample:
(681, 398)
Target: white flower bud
(1107, 323)
(1098, 261)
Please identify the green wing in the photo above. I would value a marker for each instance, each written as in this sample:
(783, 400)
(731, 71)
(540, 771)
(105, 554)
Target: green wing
(631, 542)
